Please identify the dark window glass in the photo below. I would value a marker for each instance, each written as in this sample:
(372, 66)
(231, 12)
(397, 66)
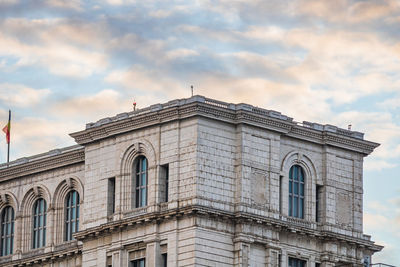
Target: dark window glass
(138, 263)
(164, 173)
(280, 194)
(296, 192)
(111, 196)
(141, 182)
(164, 259)
(39, 223)
(109, 261)
(318, 203)
(71, 214)
(7, 231)
(293, 262)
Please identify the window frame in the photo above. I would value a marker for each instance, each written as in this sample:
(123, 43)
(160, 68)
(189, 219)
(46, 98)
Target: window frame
(297, 189)
(138, 262)
(295, 262)
(164, 183)
(71, 214)
(111, 196)
(141, 169)
(39, 216)
(7, 224)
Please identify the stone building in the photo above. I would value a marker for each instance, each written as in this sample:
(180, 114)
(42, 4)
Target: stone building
(192, 182)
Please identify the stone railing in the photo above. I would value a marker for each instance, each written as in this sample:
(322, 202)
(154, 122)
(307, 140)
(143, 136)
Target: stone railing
(298, 222)
(164, 206)
(4, 259)
(236, 107)
(136, 212)
(33, 253)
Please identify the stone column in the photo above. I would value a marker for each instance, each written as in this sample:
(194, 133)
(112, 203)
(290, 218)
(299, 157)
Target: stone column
(327, 264)
(272, 257)
(242, 253)
(119, 259)
(17, 235)
(153, 254)
(50, 225)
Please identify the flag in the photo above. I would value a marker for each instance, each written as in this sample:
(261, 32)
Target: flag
(7, 129)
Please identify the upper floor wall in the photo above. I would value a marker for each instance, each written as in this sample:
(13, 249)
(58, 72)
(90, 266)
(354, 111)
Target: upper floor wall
(170, 146)
(196, 151)
(37, 191)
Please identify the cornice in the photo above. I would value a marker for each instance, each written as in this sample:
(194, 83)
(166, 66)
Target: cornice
(42, 164)
(230, 113)
(39, 257)
(233, 217)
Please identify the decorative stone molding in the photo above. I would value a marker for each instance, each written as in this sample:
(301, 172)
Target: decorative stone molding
(40, 163)
(70, 183)
(236, 218)
(8, 199)
(127, 162)
(227, 112)
(66, 251)
(30, 197)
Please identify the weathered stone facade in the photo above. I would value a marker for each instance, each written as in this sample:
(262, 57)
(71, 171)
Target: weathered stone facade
(217, 191)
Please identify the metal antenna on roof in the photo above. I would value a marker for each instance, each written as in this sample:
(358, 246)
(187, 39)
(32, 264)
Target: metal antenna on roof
(192, 89)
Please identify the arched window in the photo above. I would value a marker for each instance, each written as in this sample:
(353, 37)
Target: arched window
(141, 182)
(7, 231)
(39, 223)
(296, 192)
(71, 214)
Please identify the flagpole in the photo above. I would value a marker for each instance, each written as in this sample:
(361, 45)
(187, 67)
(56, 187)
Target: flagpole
(8, 148)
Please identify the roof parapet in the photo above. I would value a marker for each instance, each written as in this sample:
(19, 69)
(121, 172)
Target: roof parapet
(236, 107)
(48, 154)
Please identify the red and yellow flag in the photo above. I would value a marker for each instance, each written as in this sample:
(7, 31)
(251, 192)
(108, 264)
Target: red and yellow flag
(7, 129)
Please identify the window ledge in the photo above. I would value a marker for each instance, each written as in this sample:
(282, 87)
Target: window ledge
(136, 212)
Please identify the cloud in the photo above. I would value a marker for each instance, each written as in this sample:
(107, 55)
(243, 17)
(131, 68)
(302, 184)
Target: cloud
(346, 11)
(145, 80)
(53, 44)
(21, 95)
(67, 4)
(105, 103)
(8, 2)
(390, 103)
(39, 135)
(120, 2)
(382, 219)
(151, 49)
(377, 165)
(181, 53)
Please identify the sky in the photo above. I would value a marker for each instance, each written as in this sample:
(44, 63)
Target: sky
(66, 63)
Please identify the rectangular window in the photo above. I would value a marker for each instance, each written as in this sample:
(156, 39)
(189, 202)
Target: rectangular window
(141, 182)
(318, 191)
(164, 182)
(138, 263)
(280, 193)
(293, 262)
(109, 261)
(296, 192)
(317, 264)
(111, 196)
(164, 259)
